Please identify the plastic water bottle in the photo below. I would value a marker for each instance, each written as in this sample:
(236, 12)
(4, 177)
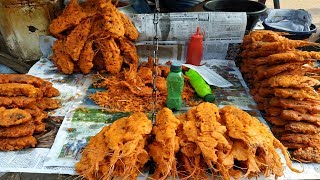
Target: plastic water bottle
(175, 84)
(200, 86)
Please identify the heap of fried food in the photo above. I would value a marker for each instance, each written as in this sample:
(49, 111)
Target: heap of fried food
(131, 91)
(201, 143)
(282, 80)
(93, 35)
(118, 150)
(23, 99)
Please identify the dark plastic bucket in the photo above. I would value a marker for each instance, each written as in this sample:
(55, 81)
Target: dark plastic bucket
(253, 9)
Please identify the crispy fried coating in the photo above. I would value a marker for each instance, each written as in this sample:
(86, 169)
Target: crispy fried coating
(120, 148)
(129, 51)
(61, 59)
(282, 45)
(71, 16)
(16, 102)
(275, 120)
(305, 106)
(24, 129)
(290, 81)
(10, 117)
(51, 92)
(312, 140)
(298, 94)
(111, 54)
(283, 57)
(258, 140)
(273, 111)
(297, 116)
(265, 71)
(10, 144)
(77, 38)
(15, 89)
(302, 127)
(308, 154)
(40, 127)
(166, 142)
(113, 23)
(262, 35)
(47, 103)
(131, 31)
(86, 58)
(93, 156)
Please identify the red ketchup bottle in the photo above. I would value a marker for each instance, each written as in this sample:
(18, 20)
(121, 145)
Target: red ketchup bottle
(194, 54)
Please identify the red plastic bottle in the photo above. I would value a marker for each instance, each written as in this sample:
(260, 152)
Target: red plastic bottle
(194, 54)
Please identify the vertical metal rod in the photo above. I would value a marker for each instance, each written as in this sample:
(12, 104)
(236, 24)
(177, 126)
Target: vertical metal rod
(155, 61)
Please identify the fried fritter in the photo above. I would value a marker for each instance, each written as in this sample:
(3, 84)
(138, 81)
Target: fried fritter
(77, 38)
(93, 156)
(10, 117)
(39, 127)
(10, 144)
(166, 142)
(273, 111)
(131, 31)
(290, 81)
(298, 94)
(265, 71)
(302, 127)
(111, 54)
(276, 120)
(71, 16)
(86, 58)
(312, 140)
(262, 35)
(15, 89)
(308, 154)
(61, 59)
(113, 23)
(305, 106)
(284, 57)
(24, 129)
(258, 140)
(129, 51)
(47, 103)
(16, 102)
(297, 116)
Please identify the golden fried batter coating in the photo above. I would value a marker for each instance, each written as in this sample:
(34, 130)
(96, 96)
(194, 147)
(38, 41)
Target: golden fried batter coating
(111, 54)
(166, 141)
(86, 58)
(309, 154)
(303, 127)
(298, 94)
(297, 116)
(62, 60)
(258, 140)
(10, 144)
(276, 120)
(129, 51)
(131, 31)
(290, 81)
(71, 16)
(312, 140)
(47, 103)
(15, 89)
(24, 129)
(113, 23)
(10, 117)
(16, 102)
(305, 106)
(77, 38)
(265, 71)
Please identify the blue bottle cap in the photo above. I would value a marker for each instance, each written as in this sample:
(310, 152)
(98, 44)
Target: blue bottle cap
(175, 66)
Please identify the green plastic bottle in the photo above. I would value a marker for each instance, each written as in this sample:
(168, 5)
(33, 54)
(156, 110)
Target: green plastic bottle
(200, 86)
(175, 84)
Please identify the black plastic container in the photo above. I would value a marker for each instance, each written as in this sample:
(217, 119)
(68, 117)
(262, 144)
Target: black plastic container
(253, 9)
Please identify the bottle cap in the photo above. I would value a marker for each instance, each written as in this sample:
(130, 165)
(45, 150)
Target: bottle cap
(209, 98)
(175, 66)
